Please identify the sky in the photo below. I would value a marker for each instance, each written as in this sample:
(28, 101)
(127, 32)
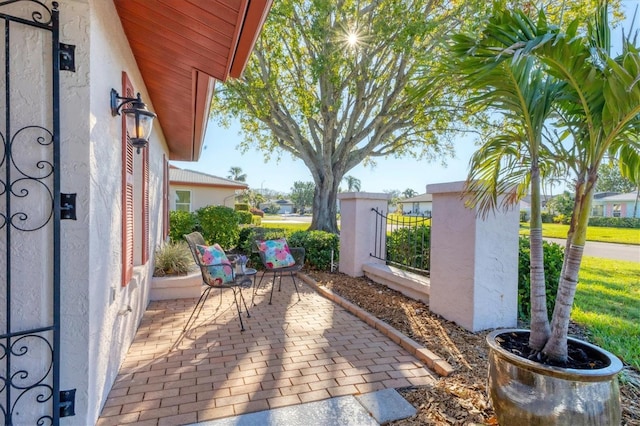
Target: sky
(220, 153)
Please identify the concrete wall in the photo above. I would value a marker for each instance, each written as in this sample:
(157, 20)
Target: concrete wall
(111, 326)
(474, 262)
(202, 196)
(357, 230)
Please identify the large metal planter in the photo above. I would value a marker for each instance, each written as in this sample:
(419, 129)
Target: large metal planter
(524, 392)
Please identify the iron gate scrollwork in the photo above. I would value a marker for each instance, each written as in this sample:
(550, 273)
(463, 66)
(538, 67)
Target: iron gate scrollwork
(30, 214)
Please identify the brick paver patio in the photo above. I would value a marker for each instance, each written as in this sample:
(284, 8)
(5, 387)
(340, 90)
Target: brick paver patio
(291, 352)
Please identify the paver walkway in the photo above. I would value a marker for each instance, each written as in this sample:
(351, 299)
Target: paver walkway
(290, 353)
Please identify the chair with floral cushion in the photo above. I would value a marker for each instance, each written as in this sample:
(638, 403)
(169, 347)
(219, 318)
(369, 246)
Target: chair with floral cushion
(278, 259)
(217, 272)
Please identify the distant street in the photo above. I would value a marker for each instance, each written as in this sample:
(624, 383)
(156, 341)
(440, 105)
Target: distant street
(607, 250)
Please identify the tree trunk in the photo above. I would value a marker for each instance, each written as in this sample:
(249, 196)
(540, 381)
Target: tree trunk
(556, 347)
(539, 317)
(325, 200)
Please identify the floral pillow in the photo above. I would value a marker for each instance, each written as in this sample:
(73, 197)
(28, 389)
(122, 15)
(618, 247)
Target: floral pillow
(276, 253)
(220, 270)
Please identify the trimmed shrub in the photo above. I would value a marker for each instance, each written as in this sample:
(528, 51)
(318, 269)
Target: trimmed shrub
(256, 220)
(410, 246)
(241, 207)
(553, 258)
(318, 246)
(561, 218)
(546, 217)
(181, 223)
(524, 215)
(615, 222)
(244, 217)
(219, 224)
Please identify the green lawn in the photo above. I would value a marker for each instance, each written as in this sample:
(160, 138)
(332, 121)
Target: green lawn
(607, 302)
(288, 227)
(594, 233)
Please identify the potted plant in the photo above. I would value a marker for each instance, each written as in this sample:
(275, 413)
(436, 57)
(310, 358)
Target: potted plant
(545, 81)
(175, 274)
(173, 259)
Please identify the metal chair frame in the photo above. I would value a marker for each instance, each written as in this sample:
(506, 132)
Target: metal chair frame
(195, 238)
(298, 254)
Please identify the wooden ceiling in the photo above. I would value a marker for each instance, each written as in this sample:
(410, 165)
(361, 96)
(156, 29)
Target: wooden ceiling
(182, 47)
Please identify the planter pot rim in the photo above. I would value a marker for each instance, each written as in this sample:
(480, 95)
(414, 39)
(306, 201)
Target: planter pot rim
(614, 367)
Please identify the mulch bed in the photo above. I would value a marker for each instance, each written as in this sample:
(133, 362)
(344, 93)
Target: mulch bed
(461, 398)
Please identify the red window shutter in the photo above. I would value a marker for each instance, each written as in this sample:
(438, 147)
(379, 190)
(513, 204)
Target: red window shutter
(127, 192)
(165, 198)
(145, 205)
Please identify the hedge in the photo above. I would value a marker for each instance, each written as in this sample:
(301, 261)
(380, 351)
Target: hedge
(552, 258)
(219, 225)
(615, 222)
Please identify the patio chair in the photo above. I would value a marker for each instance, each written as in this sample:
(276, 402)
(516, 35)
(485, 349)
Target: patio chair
(281, 264)
(212, 277)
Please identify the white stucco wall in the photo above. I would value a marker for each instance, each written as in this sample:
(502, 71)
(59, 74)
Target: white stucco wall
(474, 262)
(97, 329)
(202, 196)
(358, 230)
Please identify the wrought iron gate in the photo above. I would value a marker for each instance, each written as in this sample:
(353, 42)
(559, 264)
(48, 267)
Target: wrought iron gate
(30, 214)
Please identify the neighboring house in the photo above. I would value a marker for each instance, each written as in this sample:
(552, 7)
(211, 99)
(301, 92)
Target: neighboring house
(618, 205)
(190, 190)
(420, 205)
(525, 204)
(73, 292)
(284, 206)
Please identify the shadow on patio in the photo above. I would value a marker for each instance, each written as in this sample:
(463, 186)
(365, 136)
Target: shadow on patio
(291, 352)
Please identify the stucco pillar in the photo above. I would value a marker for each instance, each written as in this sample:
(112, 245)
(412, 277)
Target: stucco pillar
(358, 230)
(474, 262)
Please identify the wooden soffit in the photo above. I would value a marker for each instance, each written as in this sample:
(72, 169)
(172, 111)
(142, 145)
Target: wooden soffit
(182, 47)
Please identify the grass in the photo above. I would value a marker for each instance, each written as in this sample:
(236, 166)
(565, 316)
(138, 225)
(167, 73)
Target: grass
(594, 233)
(287, 227)
(607, 302)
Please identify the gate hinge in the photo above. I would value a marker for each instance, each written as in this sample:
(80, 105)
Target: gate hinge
(68, 206)
(67, 57)
(68, 403)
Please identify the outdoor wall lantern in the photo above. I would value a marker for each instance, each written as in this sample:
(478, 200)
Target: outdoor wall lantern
(139, 119)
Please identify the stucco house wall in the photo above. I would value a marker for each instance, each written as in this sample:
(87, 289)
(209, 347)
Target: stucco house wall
(203, 196)
(99, 315)
(204, 189)
(626, 203)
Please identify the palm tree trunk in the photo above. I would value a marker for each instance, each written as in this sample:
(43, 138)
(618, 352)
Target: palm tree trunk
(556, 348)
(539, 317)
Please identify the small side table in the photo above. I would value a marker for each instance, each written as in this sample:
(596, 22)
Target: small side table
(248, 274)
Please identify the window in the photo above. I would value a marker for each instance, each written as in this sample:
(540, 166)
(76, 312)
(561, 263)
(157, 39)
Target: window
(183, 200)
(617, 209)
(597, 211)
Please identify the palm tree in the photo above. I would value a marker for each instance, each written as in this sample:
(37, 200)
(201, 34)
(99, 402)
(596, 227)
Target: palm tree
(235, 173)
(597, 100)
(353, 184)
(510, 162)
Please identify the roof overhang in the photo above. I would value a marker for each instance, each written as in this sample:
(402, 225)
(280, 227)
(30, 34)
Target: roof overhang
(182, 47)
